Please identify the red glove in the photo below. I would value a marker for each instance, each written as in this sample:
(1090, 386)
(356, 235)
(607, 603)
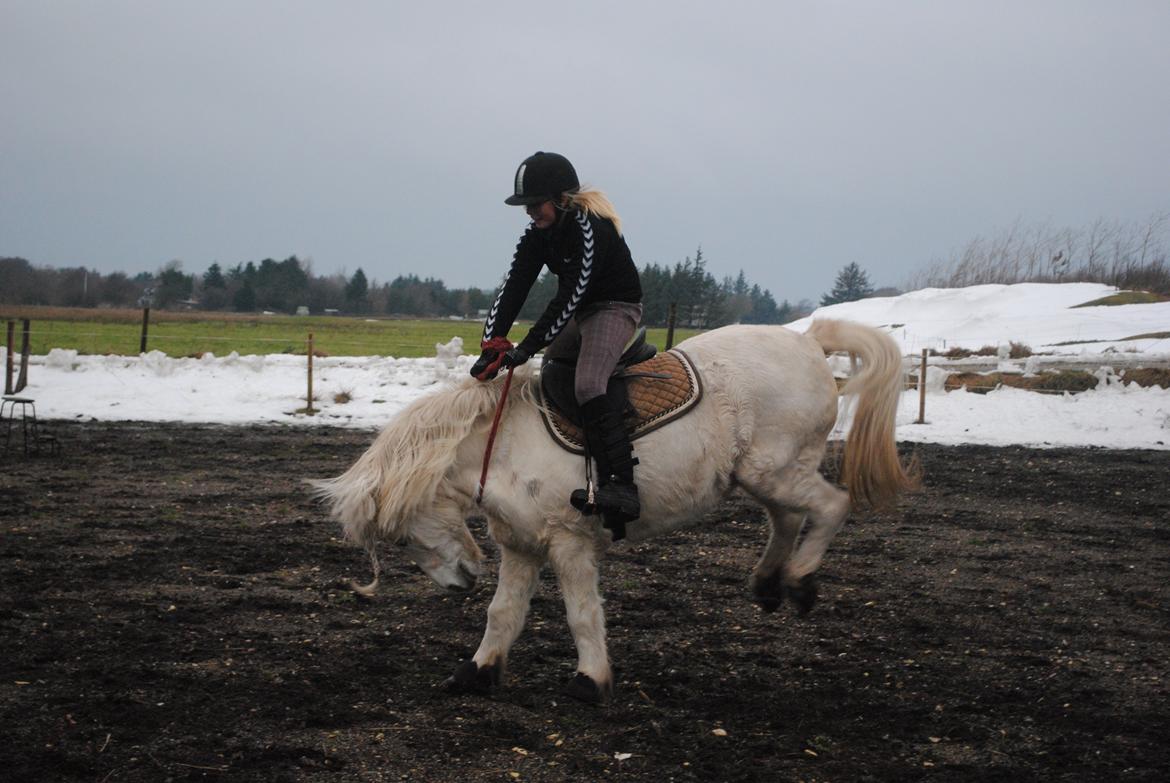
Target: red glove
(488, 365)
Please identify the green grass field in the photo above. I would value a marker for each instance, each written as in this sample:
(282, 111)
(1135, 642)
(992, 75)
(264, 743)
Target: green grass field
(193, 334)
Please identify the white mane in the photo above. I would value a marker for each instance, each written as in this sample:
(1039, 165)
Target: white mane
(402, 471)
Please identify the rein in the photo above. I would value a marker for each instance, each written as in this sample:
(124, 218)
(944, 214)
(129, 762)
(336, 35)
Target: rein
(487, 454)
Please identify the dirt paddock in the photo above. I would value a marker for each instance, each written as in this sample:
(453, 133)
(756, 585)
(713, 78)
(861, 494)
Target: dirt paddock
(171, 611)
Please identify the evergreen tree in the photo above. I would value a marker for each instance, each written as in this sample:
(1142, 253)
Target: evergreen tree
(763, 307)
(281, 285)
(852, 284)
(655, 294)
(213, 277)
(173, 286)
(244, 273)
(739, 298)
(356, 291)
(213, 293)
(245, 299)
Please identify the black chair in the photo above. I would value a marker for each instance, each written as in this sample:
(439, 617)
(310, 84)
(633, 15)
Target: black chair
(29, 429)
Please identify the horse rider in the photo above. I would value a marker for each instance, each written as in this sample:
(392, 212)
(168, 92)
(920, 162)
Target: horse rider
(577, 234)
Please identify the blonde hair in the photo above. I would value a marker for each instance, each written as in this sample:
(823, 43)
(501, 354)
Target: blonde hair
(594, 202)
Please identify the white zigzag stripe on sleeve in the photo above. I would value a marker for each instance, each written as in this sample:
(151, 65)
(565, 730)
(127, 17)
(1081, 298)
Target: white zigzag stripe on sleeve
(582, 281)
(490, 323)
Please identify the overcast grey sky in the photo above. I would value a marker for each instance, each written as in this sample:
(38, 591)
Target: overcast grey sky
(786, 138)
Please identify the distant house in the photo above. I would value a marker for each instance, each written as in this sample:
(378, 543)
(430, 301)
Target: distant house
(302, 310)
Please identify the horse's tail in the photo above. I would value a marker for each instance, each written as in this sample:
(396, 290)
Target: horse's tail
(870, 466)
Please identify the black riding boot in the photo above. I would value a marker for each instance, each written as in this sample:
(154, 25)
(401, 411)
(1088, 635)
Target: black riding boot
(616, 494)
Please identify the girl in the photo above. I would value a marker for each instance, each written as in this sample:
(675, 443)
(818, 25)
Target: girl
(577, 234)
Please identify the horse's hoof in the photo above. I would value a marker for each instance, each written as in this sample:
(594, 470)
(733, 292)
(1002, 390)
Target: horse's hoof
(768, 604)
(804, 595)
(469, 678)
(768, 592)
(583, 688)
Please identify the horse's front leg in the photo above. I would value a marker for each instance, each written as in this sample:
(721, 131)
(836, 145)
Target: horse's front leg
(519, 577)
(574, 558)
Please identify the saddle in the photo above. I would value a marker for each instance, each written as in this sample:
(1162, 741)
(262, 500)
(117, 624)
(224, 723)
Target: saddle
(650, 388)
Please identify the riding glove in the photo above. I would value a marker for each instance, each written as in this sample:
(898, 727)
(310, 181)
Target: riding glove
(516, 357)
(487, 366)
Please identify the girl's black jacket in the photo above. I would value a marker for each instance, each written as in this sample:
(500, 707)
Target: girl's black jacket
(592, 264)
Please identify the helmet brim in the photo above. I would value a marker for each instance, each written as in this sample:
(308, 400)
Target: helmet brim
(524, 201)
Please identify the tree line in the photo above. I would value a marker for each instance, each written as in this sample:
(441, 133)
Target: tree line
(1129, 256)
(285, 286)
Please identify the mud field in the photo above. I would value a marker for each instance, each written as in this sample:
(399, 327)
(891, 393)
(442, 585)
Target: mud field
(171, 611)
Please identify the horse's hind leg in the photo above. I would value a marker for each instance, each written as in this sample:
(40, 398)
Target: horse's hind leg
(767, 577)
(800, 496)
(827, 509)
(519, 577)
(574, 559)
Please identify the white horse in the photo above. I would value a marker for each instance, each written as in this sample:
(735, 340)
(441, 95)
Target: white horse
(769, 403)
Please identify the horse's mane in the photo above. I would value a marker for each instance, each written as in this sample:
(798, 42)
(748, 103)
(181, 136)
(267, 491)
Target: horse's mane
(403, 470)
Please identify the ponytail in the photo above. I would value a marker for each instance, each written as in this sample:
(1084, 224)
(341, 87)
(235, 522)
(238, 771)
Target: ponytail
(594, 202)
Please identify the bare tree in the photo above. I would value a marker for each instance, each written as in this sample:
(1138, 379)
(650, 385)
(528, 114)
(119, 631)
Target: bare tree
(1125, 255)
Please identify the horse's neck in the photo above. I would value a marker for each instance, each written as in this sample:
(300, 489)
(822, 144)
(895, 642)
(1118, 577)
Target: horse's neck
(463, 476)
(468, 469)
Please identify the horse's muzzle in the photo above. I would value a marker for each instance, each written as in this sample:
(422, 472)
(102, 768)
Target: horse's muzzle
(468, 577)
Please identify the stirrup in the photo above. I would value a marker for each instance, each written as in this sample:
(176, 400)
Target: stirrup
(607, 499)
(585, 501)
(620, 498)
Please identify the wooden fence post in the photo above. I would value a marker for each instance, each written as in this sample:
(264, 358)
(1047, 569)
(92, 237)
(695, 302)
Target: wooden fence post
(922, 390)
(22, 379)
(309, 403)
(671, 314)
(145, 324)
(8, 358)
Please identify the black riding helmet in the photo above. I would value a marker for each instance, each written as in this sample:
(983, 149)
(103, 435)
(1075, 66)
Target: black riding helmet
(542, 177)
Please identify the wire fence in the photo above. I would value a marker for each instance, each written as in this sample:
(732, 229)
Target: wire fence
(411, 343)
(332, 337)
(123, 340)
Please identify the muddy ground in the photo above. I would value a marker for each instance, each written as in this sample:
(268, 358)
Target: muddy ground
(171, 611)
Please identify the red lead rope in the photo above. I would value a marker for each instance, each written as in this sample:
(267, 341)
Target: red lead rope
(487, 454)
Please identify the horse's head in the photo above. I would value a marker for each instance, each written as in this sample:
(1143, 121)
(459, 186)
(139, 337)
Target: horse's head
(401, 489)
(442, 546)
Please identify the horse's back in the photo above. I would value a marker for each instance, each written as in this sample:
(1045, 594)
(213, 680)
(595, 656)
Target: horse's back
(773, 381)
(775, 356)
